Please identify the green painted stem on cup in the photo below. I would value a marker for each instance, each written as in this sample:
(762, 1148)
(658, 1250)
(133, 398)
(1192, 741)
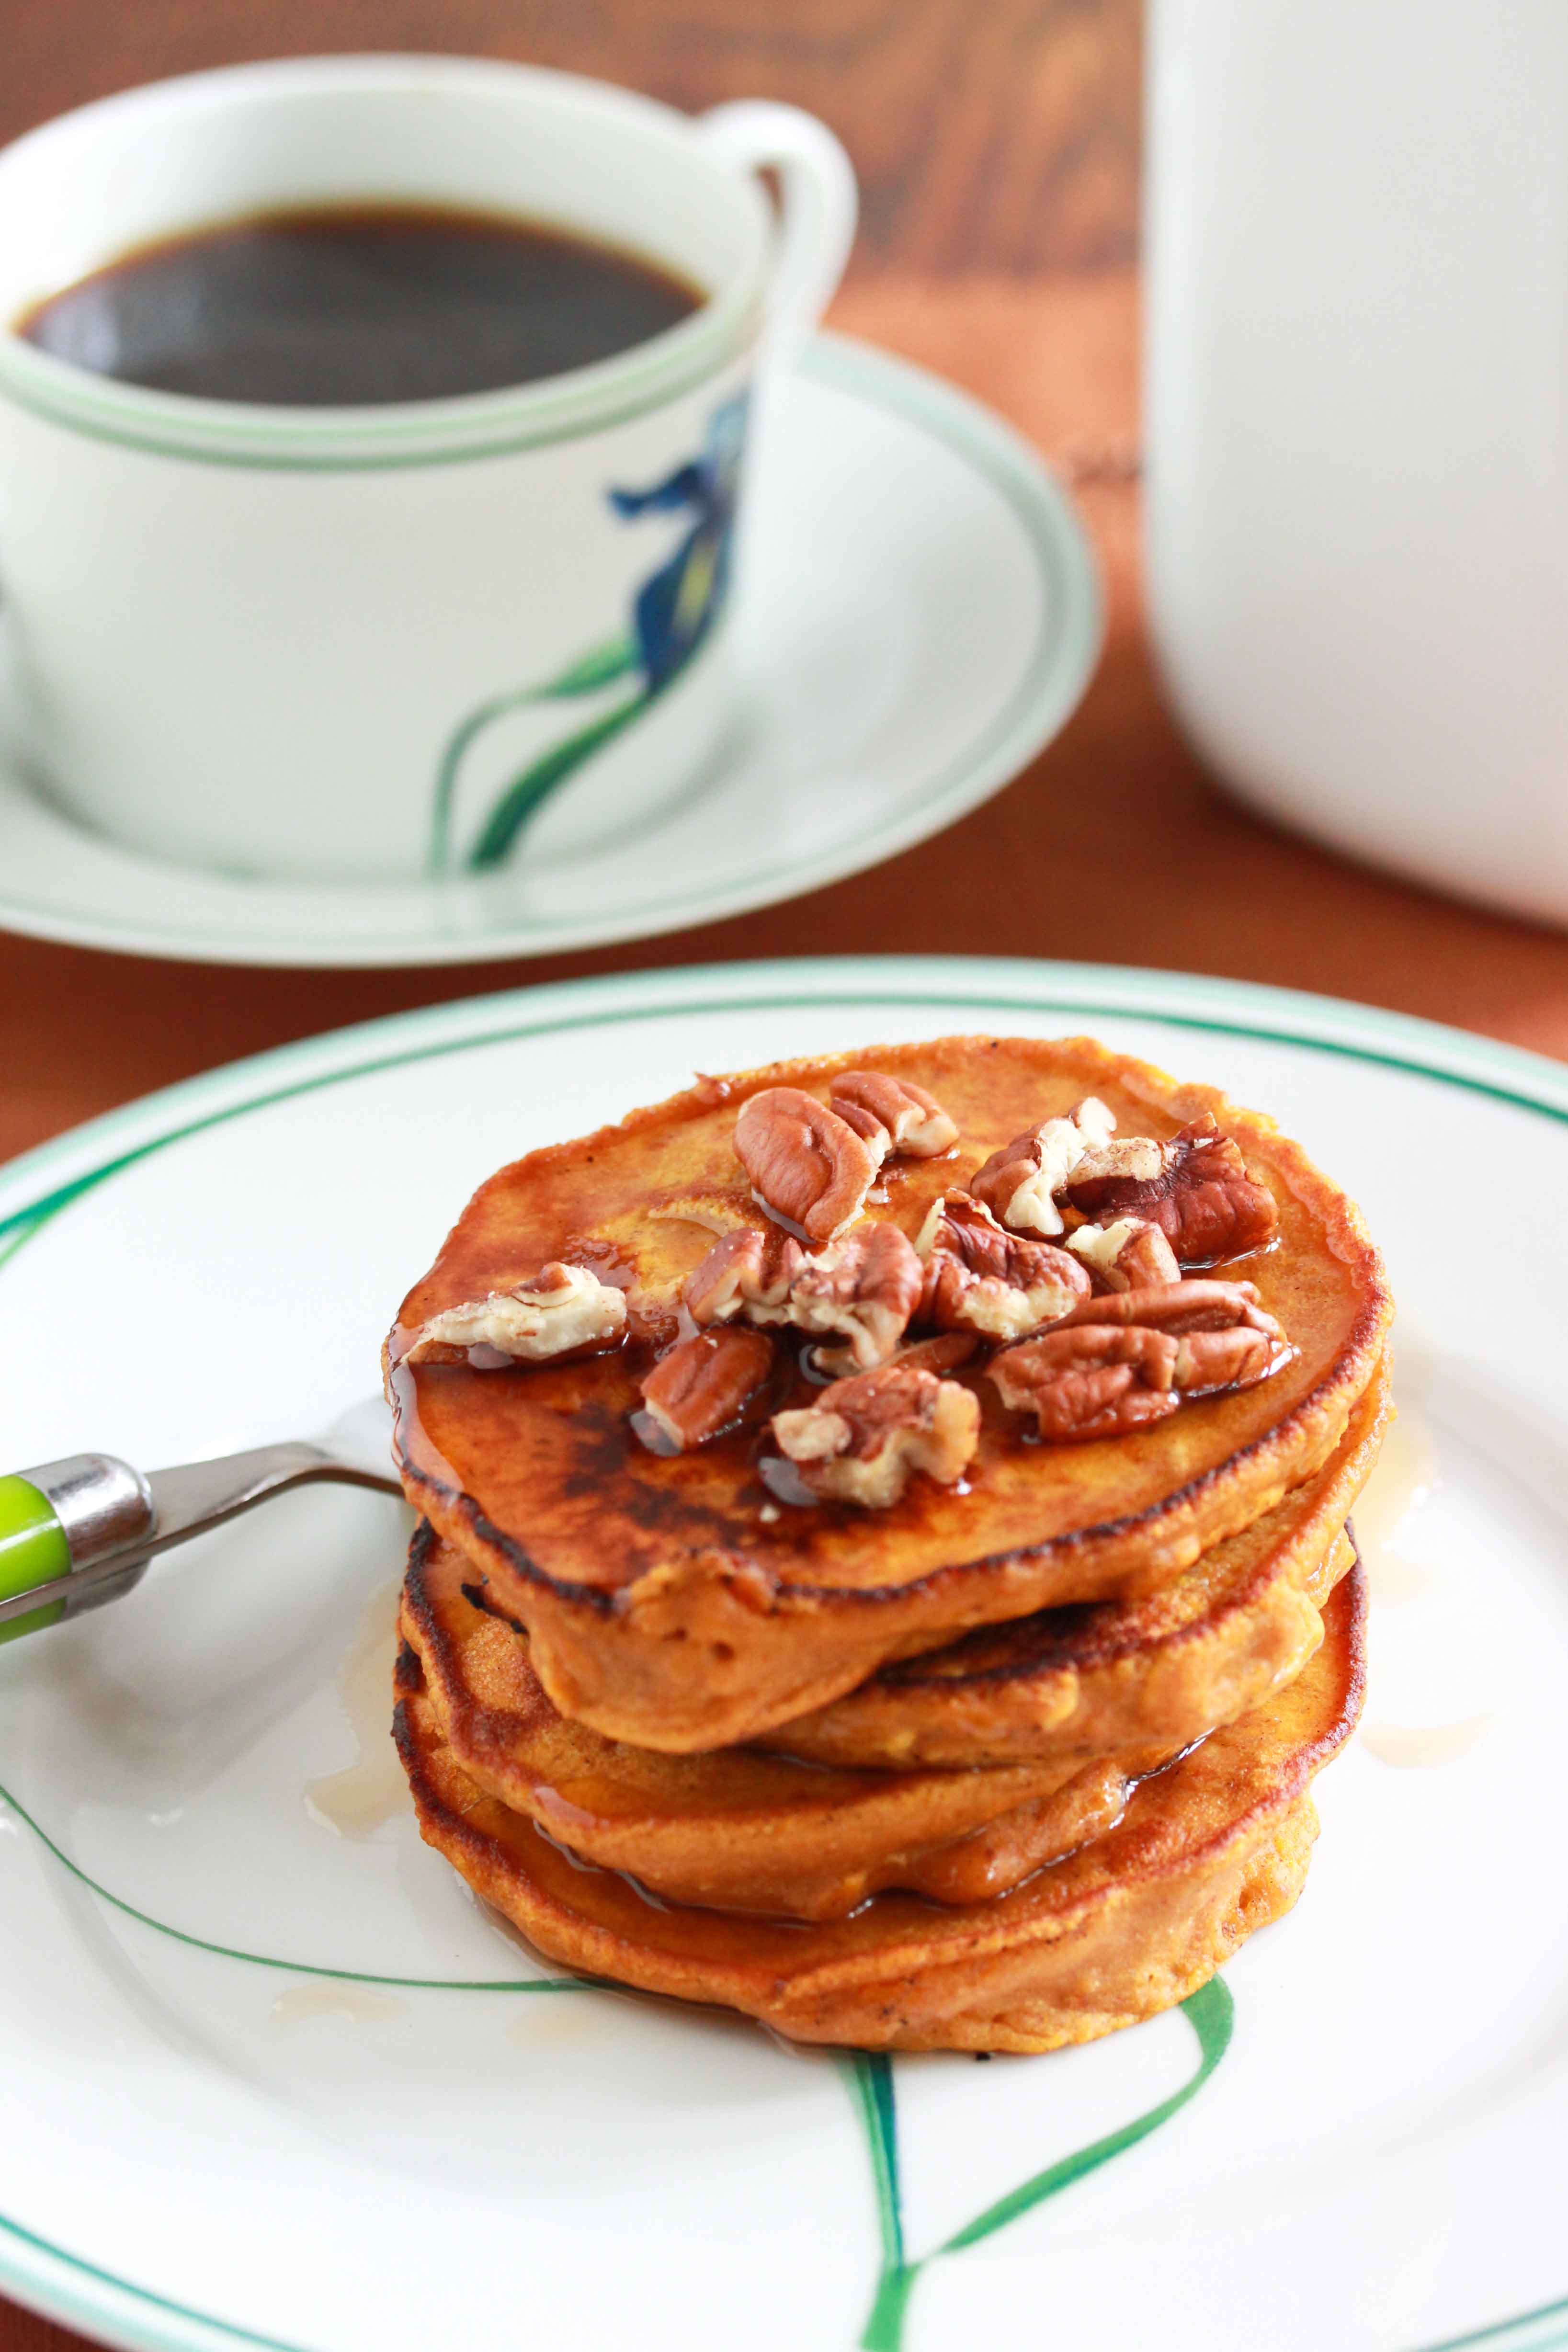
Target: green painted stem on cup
(606, 663)
(15, 1230)
(1211, 2013)
(33, 1551)
(527, 794)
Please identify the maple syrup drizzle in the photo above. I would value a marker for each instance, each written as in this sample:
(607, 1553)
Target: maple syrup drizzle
(1425, 1743)
(362, 2004)
(357, 1800)
(1403, 1482)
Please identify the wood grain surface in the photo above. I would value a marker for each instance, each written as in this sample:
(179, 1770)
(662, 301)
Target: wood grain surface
(996, 142)
(988, 135)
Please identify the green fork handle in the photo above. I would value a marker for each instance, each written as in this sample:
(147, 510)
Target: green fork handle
(34, 1549)
(77, 1532)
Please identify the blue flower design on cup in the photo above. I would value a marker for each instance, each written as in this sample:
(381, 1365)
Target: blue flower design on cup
(674, 611)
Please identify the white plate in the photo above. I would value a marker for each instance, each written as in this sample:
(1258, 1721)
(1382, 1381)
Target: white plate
(920, 616)
(268, 2084)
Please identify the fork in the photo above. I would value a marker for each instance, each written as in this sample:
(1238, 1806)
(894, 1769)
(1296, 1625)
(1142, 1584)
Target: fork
(77, 1533)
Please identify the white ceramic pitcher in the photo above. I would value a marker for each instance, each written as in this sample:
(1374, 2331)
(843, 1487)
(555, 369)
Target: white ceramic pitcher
(1357, 422)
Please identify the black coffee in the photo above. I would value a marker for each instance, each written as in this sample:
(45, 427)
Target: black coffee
(331, 309)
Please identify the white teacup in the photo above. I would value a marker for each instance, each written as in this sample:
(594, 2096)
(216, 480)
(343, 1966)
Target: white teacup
(373, 641)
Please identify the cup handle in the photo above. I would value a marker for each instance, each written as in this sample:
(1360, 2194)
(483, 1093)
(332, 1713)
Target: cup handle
(818, 211)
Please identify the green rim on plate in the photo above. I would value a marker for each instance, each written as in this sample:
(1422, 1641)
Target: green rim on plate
(46, 1183)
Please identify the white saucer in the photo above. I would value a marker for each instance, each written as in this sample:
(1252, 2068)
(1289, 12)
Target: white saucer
(922, 614)
(274, 2080)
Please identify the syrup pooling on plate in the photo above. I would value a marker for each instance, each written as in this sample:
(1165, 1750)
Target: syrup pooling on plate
(1420, 1744)
(360, 2004)
(1388, 1517)
(357, 1800)
(1396, 1496)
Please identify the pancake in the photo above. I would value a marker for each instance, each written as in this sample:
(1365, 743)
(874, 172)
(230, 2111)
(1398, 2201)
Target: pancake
(733, 1828)
(1208, 1852)
(1117, 1676)
(674, 1602)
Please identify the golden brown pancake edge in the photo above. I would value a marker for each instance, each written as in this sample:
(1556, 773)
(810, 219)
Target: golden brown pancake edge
(1208, 1852)
(1158, 1672)
(729, 1828)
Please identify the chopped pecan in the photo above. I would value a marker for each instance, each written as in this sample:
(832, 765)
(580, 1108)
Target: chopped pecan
(806, 1163)
(862, 1439)
(705, 1383)
(1019, 1182)
(1128, 1254)
(1196, 1188)
(747, 1274)
(1097, 1379)
(980, 1278)
(892, 1114)
(1196, 1305)
(561, 1310)
(867, 1286)
(1224, 1339)
(1105, 1365)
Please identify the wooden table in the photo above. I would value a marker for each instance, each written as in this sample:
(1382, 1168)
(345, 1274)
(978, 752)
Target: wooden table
(997, 148)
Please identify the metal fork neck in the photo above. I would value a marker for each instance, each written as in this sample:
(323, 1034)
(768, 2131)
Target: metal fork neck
(115, 1519)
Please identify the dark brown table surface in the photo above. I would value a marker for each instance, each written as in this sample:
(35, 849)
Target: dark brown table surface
(997, 148)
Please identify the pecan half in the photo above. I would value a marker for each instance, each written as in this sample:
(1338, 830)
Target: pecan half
(1210, 1361)
(980, 1278)
(1128, 1254)
(747, 1274)
(1114, 1363)
(1019, 1182)
(705, 1383)
(561, 1310)
(892, 1114)
(867, 1286)
(1224, 1339)
(806, 1163)
(1098, 1380)
(1196, 1188)
(864, 1437)
(1198, 1303)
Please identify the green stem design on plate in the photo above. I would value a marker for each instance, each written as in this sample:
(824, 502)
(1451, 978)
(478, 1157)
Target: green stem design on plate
(287, 1967)
(614, 659)
(1211, 2013)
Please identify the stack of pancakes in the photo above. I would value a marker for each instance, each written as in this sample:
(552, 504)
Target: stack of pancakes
(1004, 1763)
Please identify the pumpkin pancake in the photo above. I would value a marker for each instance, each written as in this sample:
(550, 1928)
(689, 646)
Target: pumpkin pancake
(683, 1602)
(1115, 1676)
(733, 1828)
(1209, 1851)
